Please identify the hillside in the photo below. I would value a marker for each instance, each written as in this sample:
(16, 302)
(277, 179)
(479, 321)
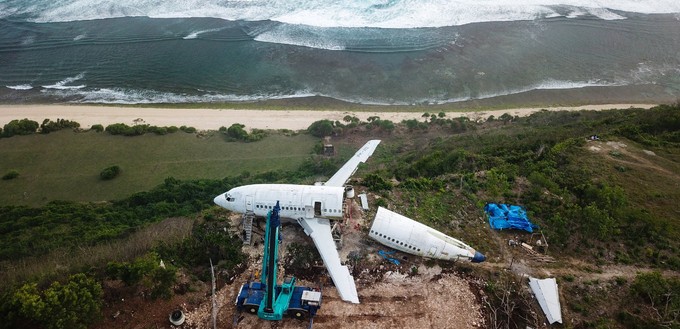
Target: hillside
(607, 207)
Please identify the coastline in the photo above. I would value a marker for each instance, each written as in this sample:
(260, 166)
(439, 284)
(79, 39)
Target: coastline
(213, 119)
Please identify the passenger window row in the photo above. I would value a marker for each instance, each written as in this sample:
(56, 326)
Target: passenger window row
(261, 206)
(395, 241)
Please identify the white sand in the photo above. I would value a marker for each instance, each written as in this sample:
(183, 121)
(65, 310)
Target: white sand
(206, 119)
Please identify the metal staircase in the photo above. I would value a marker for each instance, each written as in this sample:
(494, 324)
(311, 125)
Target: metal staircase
(248, 227)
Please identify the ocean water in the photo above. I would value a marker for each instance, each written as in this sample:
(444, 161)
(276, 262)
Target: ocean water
(363, 51)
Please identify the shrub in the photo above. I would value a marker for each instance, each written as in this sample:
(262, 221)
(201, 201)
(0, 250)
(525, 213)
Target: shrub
(377, 183)
(49, 126)
(98, 128)
(20, 127)
(147, 272)
(12, 174)
(75, 304)
(123, 129)
(381, 203)
(236, 131)
(110, 173)
(188, 130)
(321, 128)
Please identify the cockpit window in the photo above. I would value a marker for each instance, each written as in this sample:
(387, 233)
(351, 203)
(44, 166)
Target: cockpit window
(229, 198)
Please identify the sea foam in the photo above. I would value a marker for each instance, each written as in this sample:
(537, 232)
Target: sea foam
(330, 13)
(20, 87)
(135, 96)
(64, 84)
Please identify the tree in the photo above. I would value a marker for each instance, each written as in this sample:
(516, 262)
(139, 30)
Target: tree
(496, 183)
(20, 127)
(75, 304)
(321, 128)
(236, 131)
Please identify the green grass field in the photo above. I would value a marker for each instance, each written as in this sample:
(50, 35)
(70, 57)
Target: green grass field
(66, 165)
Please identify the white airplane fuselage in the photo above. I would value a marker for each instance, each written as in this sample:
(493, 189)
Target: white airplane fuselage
(311, 206)
(296, 201)
(406, 235)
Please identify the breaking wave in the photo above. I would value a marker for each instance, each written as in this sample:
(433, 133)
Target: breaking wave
(20, 87)
(129, 96)
(194, 35)
(64, 84)
(329, 13)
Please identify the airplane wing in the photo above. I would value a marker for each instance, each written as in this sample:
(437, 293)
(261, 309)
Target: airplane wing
(320, 231)
(341, 177)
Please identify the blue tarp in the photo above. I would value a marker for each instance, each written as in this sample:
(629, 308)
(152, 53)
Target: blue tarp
(385, 254)
(502, 216)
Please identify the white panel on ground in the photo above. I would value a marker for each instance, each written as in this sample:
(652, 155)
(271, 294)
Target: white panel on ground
(364, 201)
(545, 291)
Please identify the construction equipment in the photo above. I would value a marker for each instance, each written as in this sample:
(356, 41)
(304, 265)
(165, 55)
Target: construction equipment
(269, 300)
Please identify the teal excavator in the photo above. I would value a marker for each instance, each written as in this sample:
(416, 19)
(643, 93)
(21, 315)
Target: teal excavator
(269, 300)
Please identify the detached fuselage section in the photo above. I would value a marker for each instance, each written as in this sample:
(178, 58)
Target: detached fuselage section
(406, 235)
(296, 201)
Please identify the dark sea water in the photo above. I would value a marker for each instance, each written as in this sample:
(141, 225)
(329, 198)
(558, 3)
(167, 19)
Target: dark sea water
(372, 52)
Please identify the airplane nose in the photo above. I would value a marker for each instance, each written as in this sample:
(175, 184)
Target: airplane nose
(479, 257)
(220, 200)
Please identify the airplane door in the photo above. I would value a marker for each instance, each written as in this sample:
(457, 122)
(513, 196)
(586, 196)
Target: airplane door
(249, 203)
(432, 252)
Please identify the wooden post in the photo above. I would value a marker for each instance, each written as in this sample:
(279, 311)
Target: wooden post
(214, 310)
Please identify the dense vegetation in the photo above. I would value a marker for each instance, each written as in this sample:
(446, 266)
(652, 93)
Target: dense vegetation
(74, 304)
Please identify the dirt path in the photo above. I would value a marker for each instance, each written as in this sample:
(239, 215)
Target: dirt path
(619, 152)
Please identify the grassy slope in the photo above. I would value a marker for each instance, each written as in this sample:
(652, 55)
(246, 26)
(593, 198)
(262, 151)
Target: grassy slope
(66, 165)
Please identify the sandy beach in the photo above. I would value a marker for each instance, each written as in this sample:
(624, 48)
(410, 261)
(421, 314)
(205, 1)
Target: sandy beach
(213, 119)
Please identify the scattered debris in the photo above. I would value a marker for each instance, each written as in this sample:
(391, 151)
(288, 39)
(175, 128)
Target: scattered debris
(536, 255)
(177, 318)
(385, 254)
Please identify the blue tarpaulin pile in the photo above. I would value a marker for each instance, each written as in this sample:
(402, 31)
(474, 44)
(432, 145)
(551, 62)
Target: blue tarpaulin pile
(503, 216)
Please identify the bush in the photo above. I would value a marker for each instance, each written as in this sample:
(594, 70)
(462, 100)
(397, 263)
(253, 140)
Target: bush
(75, 304)
(188, 130)
(321, 128)
(110, 173)
(12, 174)
(377, 183)
(98, 128)
(147, 272)
(237, 132)
(20, 127)
(49, 126)
(125, 130)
